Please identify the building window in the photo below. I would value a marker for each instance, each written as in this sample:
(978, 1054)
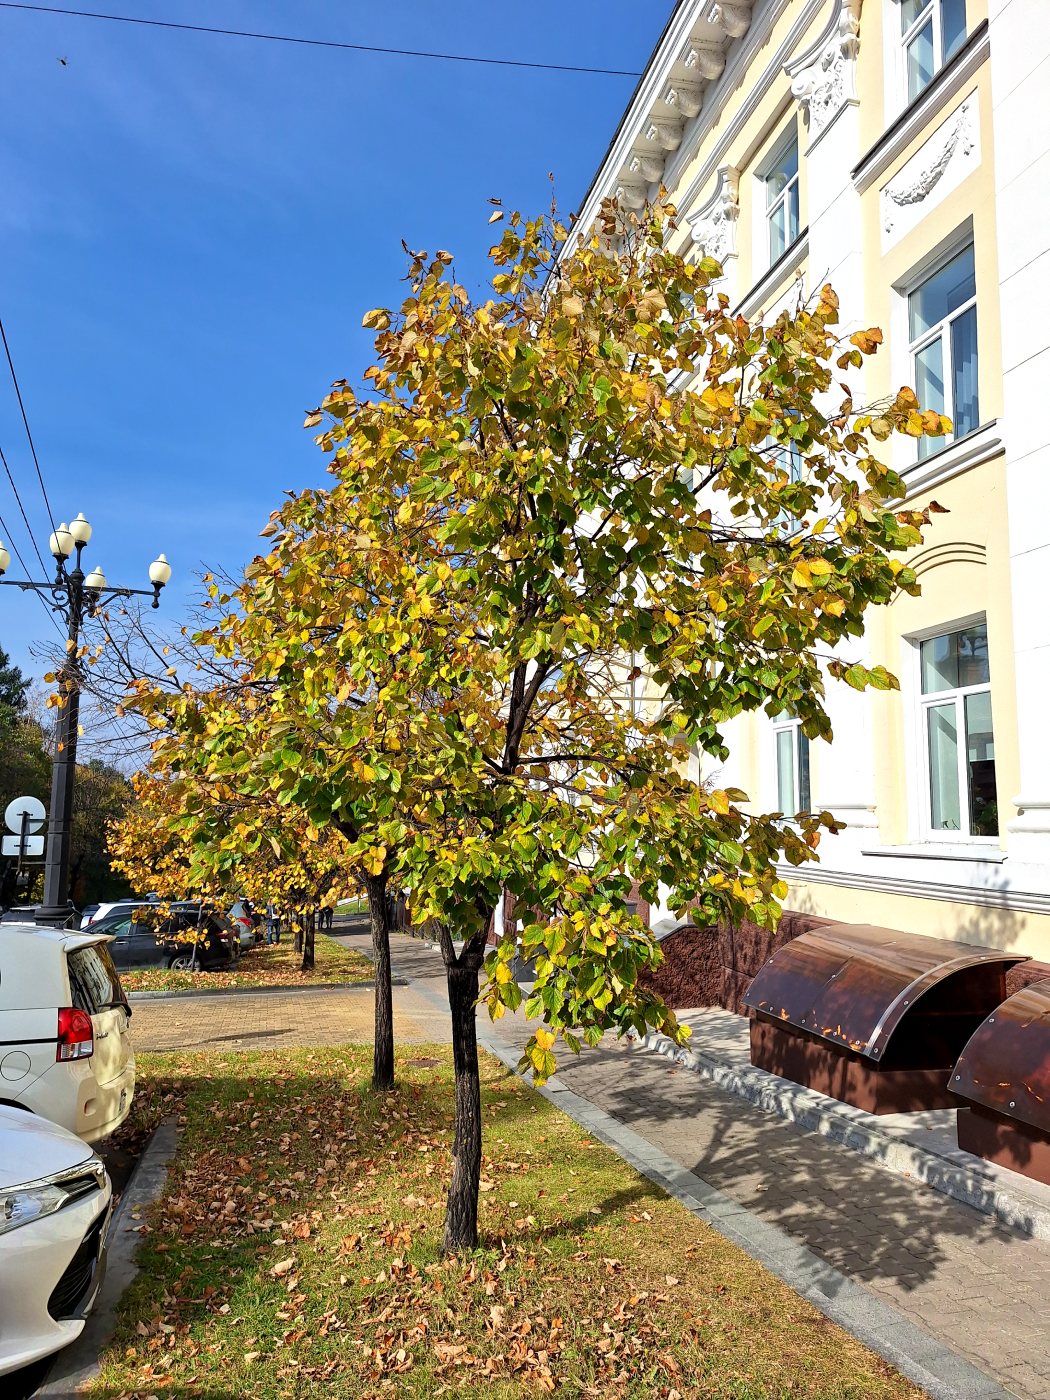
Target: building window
(782, 210)
(792, 767)
(931, 32)
(942, 329)
(787, 456)
(957, 728)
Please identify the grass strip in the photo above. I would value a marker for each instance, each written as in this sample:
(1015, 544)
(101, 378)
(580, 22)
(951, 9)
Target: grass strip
(295, 1253)
(273, 965)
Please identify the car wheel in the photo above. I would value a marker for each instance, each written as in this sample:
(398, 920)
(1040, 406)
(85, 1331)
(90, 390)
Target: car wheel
(182, 963)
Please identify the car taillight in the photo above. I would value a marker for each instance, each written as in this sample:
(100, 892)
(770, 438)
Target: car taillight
(76, 1035)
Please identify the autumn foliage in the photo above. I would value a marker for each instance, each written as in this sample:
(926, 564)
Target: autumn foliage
(595, 475)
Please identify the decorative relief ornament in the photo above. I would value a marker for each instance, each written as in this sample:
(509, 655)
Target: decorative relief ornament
(714, 225)
(686, 98)
(927, 168)
(631, 196)
(824, 78)
(708, 60)
(733, 18)
(649, 168)
(664, 134)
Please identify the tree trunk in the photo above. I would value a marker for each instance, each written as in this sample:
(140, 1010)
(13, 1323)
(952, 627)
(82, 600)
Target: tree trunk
(461, 1216)
(308, 941)
(383, 1050)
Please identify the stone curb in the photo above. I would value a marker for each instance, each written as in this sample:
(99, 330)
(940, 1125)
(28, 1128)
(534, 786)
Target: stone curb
(79, 1362)
(954, 1174)
(941, 1372)
(261, 991)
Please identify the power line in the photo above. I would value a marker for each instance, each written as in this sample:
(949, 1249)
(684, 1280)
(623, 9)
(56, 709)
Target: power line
(28, 572)
(323, 43)
(25, 420)
(22, 512)
(17, 552)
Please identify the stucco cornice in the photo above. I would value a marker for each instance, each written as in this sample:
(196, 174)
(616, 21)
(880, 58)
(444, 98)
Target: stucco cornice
(674, 96)
(757, 87)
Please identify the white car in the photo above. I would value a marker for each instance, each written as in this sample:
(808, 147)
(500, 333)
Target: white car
(65, 1046)
(96, 912)
(55, 1203)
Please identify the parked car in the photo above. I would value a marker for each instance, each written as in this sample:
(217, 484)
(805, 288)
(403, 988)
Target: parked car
(65, 1046)
(95, 913)
(55, 1204)
(148, 939)
(235, 925)
(19, 914)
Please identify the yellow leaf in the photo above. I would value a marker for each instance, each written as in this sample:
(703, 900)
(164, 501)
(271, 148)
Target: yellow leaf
(867, 342)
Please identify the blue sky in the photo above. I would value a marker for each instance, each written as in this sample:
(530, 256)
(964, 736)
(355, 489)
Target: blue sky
(191, 228)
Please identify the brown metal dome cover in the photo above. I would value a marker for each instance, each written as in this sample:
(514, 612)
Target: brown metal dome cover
(1006, 1063)
(852, 984)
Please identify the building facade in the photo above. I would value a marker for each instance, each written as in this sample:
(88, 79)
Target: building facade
(899, 149)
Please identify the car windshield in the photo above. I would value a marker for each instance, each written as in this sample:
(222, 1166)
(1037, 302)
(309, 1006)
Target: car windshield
(93, 980)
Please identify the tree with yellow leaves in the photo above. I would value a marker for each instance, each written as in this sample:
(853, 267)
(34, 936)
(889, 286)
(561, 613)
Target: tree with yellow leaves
(538, 496)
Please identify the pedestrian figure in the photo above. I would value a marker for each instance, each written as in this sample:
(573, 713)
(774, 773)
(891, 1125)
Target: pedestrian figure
(273, 923)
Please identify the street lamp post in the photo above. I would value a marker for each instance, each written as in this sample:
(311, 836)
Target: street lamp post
(74, 596)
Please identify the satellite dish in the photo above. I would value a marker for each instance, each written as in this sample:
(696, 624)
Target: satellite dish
(30, 807)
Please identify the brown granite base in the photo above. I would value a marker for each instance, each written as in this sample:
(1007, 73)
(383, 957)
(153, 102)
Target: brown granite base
(1006, 1142)
(845, 1075)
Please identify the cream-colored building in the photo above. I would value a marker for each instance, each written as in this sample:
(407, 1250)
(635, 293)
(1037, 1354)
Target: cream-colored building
(899, 149)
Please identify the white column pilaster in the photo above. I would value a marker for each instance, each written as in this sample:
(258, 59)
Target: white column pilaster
(823, 81)
(1019, 32)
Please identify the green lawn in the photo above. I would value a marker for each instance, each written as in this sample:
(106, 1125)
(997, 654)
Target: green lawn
(295, 1253)
(352, 906)
(276, 965)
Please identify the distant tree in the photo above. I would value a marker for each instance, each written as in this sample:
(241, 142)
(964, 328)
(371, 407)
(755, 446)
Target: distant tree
(100, 796)
(187, 839)
(14, 687)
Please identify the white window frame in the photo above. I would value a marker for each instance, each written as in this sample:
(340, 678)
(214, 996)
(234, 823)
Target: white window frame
(764, 208)
(789, 458)
(923, 798)
(931, 7)
(904, 450)
(789, 724)
(942, 332)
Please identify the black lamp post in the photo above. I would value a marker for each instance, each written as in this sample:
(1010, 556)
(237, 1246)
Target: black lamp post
(74, 596)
